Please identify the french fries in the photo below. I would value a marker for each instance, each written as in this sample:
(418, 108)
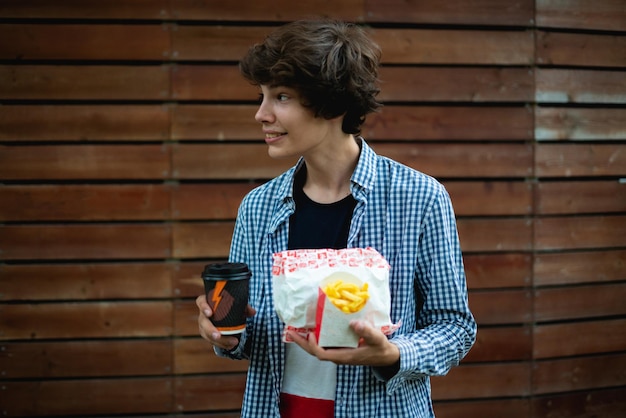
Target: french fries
(348, 297)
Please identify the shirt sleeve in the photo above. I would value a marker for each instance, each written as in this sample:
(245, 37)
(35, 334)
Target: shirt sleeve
(446, 329)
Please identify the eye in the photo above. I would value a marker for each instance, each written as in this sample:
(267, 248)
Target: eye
(282, 97)
(260, 98)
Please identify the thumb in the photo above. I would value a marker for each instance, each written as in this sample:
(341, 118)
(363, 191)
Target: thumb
(366, 331)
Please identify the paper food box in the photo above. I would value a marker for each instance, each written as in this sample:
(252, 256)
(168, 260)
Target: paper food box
(321, 291)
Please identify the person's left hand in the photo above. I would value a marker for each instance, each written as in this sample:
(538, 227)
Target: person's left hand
(374, 348)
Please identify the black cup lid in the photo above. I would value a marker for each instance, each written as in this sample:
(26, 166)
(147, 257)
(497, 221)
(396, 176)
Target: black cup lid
(225, 269)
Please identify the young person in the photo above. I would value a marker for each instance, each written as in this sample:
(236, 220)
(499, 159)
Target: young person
(318, 81)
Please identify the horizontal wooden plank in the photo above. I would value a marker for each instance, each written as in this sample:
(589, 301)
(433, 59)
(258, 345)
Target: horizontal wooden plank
(581, 14)
(45, 360)
(85, 42)
(67, 162)
(582, 232)
(215, 43)
(85, 320)
(579, 86)
(281, 10)
(199, 393)
(25, 123)
(226, 161)
(85, 82)
(96, 202)
(490, 12)
(477, 381)
(456, 84)
(187, 282)
(433, 46)
(222, 122)
(462, 160)
(77, 397)
(501, 306)
(449, 123)
(577, 160)
(79, 9)
(496, 344)
(92, 281)
(510, 408)
(571, 197)
(579, 373)
(490, 271)
(208, 201)
(85, 241)
(578, 302)
(202, 240)
(602, 336)
(195, 355)
(186, 318)
(605, 403)
(495, 234)
(211, 82)
(490, 197)
(580, 49)
(579, 124)
(72, 202)
(579, 267)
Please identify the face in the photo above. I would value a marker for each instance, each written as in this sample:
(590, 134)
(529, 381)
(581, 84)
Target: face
(291, 130)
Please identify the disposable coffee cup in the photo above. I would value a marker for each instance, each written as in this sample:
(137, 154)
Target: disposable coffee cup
(226, 287)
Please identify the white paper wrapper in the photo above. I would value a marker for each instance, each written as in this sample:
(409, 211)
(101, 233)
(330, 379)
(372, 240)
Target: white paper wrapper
(299, 277)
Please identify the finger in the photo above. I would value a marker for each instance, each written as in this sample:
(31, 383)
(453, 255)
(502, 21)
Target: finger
(203, 306)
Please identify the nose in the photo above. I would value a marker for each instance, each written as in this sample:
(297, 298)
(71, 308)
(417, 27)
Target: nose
(264, 114)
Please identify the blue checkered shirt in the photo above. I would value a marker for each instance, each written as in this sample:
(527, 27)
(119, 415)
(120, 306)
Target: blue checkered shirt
(407, 216)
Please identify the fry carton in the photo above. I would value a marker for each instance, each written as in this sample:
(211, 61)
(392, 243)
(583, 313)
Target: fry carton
(321, 291)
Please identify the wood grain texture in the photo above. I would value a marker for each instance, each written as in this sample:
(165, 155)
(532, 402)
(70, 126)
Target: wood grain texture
(83, 41)
(579, 373)
(578, 160)
(86, 281)
(490, 12)
(600, 336)
(580, 49)
(66, 359)
(66, 320)
(580, 302)
(76, 396)
(26, 123)
(562, 268)
(571, 197)
(580, 14)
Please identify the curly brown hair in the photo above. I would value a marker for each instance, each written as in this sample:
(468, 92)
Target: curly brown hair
(332, 64)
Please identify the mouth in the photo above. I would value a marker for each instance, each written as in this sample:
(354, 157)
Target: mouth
(271, 137)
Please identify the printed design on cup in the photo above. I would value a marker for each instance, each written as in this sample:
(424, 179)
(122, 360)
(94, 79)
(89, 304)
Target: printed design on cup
(220, 298)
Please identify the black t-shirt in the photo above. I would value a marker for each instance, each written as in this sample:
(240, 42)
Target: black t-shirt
(318, 225)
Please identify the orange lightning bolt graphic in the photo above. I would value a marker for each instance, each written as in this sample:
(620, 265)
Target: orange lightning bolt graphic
(217, 293)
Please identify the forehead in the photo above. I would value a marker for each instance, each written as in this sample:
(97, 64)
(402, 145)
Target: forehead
(265, 88)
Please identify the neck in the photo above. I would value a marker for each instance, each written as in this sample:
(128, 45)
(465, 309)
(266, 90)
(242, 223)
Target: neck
(328, 175)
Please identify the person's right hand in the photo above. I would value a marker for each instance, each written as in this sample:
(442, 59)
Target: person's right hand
(208, 330)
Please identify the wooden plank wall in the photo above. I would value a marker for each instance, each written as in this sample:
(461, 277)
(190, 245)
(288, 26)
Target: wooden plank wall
(127, 140)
